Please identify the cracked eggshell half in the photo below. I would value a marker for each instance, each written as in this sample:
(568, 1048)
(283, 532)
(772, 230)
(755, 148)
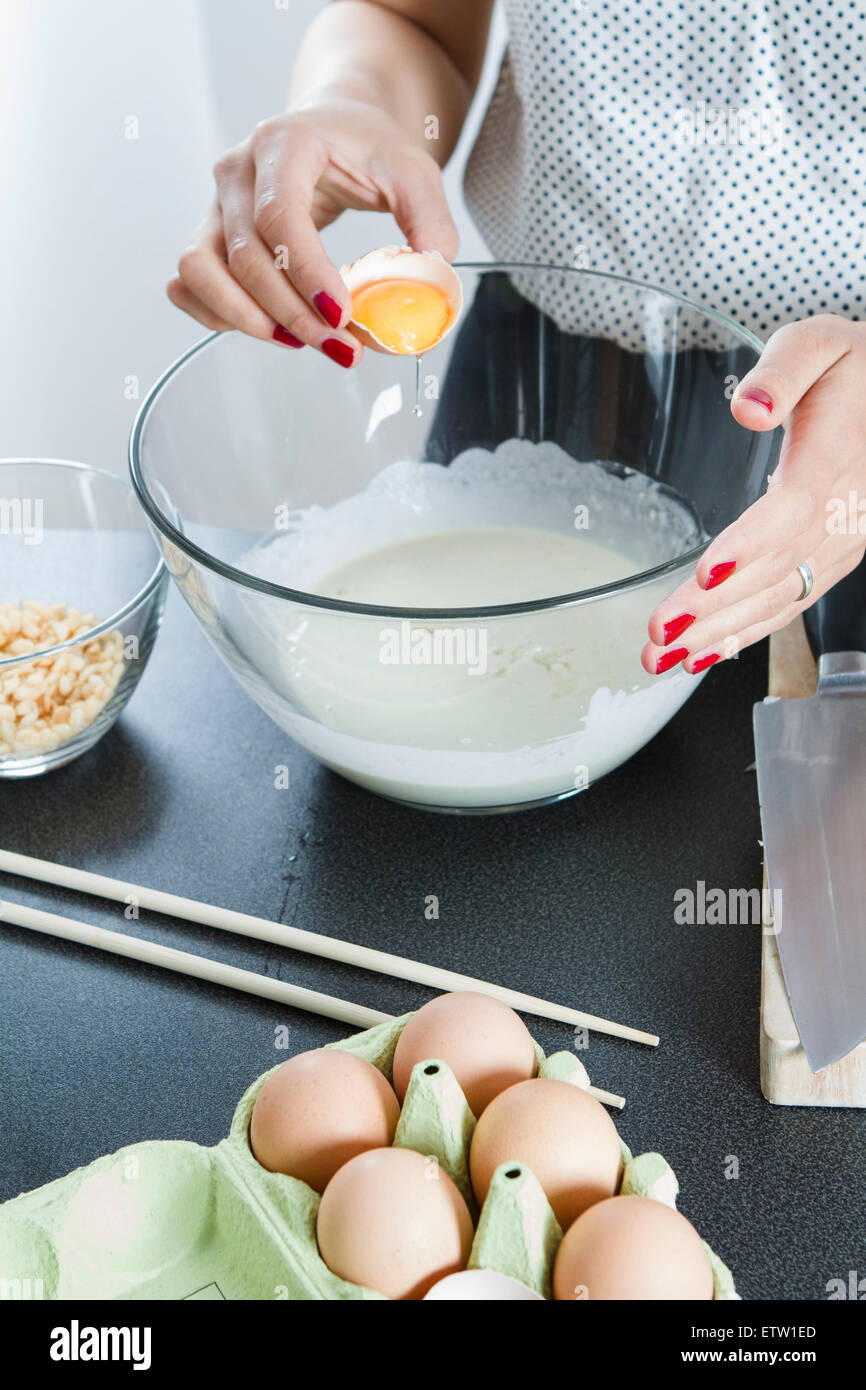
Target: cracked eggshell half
(386, 315)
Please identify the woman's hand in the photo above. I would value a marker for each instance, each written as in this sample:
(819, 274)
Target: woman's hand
(811, 378)
(257, 263)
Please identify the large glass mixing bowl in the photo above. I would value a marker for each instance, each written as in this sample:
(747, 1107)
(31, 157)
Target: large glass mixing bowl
(262, 468)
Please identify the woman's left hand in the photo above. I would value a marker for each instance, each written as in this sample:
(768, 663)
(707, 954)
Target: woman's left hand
(811, 378)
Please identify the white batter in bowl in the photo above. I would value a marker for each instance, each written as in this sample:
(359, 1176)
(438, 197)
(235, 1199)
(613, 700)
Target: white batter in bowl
(474, 713)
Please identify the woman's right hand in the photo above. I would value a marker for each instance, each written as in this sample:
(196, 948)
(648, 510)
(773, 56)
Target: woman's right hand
(257, 262)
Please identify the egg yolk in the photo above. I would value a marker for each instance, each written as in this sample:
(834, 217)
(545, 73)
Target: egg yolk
(405, 315)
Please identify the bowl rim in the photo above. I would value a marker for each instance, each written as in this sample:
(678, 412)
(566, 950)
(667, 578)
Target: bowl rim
(107, 624)
(245, 580)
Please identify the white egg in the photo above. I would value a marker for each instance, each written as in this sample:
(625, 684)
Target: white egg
(481, 1286)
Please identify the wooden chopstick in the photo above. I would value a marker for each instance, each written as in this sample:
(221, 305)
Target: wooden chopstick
(314, 943)
(200, 967)
(215, 972)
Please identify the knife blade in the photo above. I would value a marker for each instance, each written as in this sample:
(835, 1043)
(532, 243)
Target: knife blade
(811, 764)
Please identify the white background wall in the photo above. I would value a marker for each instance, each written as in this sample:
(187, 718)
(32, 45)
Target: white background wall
(93, 222)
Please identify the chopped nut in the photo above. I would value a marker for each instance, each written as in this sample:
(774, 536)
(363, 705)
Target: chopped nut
(48, 700)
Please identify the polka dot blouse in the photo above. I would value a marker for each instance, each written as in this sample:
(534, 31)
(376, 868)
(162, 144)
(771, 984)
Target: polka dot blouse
(711, 148)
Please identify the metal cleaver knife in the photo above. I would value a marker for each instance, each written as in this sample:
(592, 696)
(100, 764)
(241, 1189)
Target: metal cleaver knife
(811, 761)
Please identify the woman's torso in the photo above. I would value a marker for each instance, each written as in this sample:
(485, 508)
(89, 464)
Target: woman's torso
(716, 150)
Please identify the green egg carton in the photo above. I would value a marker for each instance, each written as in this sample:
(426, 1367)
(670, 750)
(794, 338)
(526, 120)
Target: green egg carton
(175, 1220)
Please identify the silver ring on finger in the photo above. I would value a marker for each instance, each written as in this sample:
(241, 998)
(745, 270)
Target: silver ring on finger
(808, 579)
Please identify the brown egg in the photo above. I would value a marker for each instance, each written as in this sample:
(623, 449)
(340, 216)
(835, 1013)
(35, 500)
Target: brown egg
(561, 1133)
(632, 1248)
(487, 1045)
(395, 1222)
(317, 1111)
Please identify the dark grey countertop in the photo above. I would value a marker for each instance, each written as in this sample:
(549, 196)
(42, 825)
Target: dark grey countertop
(573, 902)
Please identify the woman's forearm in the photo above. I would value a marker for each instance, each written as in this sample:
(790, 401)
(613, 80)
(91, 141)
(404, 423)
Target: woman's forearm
(379, 93)
(418, 62)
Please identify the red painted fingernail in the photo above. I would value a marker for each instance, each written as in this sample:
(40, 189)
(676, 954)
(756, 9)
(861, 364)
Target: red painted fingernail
(288, 339)
(677, 625)
(329, 308)
(338, 352)
(759, 397)
(719, 573)
(704, 661)
(669, 659)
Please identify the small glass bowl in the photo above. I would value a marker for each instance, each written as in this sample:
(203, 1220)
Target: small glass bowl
(71, 535)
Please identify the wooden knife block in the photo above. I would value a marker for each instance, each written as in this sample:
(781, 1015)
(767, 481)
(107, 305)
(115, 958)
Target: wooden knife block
(785, 1075)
